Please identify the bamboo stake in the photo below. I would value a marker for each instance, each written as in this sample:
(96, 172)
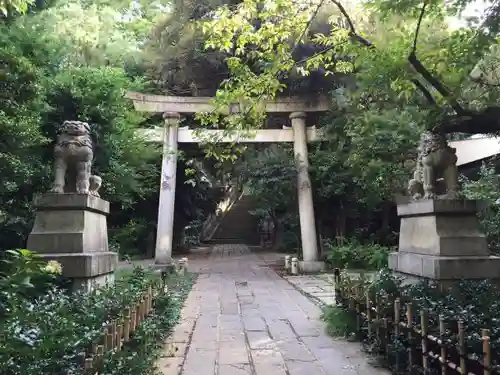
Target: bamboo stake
(423, 323)
(444, 367)
(138, 317)
(369, 314)
(461, 347)
(351, 300)
(338, 293)
(409, 323)
(109, 337)
(104, 339)
(81, 358)
(89, 364)
(109, 341)
(119, 335)
(486, 351)
(141, 309)
(377, 317)
(133, 319)
(126, 326)
(100, 353)
(150, 299)
(113, 334)
(397, 309)
(386, 335)
(358, 309)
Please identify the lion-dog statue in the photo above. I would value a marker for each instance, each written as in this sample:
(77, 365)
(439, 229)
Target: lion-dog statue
(74, 154)
(436, 173)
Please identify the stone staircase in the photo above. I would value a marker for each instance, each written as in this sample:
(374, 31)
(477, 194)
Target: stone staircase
(238, 226)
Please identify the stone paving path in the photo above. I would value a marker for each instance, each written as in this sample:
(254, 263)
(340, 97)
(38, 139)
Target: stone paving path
(317, 288)
(241, 318)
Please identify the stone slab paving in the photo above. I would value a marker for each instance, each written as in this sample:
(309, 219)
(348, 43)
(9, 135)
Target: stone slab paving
(241, 318)
(320, 289)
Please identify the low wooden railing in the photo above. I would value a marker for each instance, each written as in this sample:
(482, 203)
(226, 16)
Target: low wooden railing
(434, 345)
(119, 331)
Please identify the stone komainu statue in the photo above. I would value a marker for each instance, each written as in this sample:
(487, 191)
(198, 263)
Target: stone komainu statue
(73, 154)
(436, 173)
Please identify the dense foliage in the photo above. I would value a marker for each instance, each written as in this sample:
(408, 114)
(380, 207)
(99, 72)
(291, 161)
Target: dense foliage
(377, 113)
(486, 190)
(475, 303)
(71, 60)
(351, 253)
(45, 330)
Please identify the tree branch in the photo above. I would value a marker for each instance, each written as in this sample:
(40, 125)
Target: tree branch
(352, 30)
(315, 13)
(417, 31)
(422, 70)
(424, 90)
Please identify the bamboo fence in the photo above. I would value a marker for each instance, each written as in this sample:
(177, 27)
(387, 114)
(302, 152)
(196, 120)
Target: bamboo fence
(120, 330)
(424, 345)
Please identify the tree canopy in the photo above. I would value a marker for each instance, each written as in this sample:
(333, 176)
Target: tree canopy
(75, 59)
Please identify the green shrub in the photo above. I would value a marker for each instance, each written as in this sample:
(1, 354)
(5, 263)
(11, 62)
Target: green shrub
(486, 189)
(476, 303)
(353, 254)
(24, 274)
(339, 323)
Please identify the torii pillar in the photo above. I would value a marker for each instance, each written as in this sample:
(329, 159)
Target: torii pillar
(166, 206)
(310, 255)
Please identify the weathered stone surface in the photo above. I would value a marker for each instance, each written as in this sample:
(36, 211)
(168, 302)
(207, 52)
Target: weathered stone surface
(237, 369)
(233, 353)
(301, 368)
(311, 266)
(72, 229)
(170, 365)
(86, 264)
(69, 223)
(254, 323)
(260, 340)
(295, 350)
(446, 268)
(160, 104)
(435, 206)
(199, 362)
(441, 240)
(441, 227)
(436, 172)
(73, 157)
(62, 202)
(280, 335)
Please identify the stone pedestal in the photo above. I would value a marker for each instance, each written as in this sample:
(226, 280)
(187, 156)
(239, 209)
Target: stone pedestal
(72, 229)
(311, 266)
(441, 240)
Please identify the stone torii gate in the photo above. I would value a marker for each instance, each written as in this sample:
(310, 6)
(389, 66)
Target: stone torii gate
(171, 135)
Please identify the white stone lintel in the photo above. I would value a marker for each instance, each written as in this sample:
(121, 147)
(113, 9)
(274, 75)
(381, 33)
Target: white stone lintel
(182, 104)
(186, 135)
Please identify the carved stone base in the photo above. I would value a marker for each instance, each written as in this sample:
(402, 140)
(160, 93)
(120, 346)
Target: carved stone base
(441, 240)
(445, 268)
(311, 266)
(72, 229)
(87, 284)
